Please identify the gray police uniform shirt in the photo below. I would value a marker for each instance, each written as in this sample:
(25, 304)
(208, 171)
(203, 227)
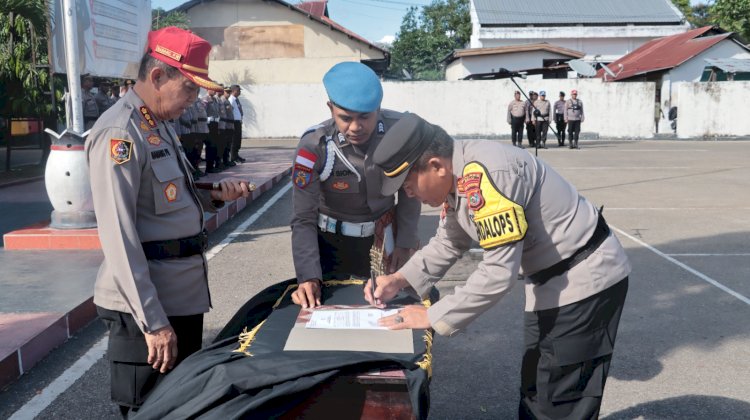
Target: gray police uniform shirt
(342, 196)
(143, 192)
(201, 117)
(212, 108)
(558, 222)
(222, 102)
(543, 106)
(515, 109)
(90, 109)
(103, 102)
(528, 110)
(559, 107)
(574, 110)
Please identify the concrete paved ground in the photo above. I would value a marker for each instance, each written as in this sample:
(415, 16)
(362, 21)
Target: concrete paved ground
(683, 349)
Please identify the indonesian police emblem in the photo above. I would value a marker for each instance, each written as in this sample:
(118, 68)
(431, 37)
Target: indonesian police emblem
(120, 150)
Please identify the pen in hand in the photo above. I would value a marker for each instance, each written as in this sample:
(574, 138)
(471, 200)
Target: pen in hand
(372, 287)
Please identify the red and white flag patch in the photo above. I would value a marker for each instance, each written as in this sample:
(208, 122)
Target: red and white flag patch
(306, 158)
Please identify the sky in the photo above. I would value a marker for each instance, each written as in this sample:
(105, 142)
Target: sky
(375, 20)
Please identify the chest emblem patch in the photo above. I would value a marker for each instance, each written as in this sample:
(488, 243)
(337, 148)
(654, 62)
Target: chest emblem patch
(171, 192)
(497, 219)
(120, 150)
(341, 185)
(154, 139)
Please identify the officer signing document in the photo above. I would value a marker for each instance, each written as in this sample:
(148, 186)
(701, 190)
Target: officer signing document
(527, 219)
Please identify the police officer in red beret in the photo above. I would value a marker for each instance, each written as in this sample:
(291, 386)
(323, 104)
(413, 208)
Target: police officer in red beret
(152, 288)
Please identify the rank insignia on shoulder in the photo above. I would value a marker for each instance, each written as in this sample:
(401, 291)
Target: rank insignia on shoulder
(120, 150)
(301, 176)
(381, 127)
(171, 192)
(145, 127)
(154, 139)
(341, 185)
(146, 113)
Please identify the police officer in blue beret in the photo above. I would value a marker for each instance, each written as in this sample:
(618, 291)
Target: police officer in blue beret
(338, 206)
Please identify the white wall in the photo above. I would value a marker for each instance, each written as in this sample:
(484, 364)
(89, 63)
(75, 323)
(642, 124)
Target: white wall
(463, 108)
(712, 109)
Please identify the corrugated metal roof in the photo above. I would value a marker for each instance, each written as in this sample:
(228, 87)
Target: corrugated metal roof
(542, 46)
(730, 65)
(666, 53)
(572, 12)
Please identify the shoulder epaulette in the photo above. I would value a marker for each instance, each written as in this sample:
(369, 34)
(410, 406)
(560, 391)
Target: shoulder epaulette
(311, 129)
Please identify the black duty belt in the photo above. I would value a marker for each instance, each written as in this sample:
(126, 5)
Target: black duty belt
(600, 234)
(176, 248)
(202, 119)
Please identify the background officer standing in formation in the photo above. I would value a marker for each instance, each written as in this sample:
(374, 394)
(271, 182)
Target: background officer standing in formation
(527, 218)
(237, 114)
(528, 113)
(90, 108)
(213, 117)
(515, 117)
(336, 195)
(152, 288)
(541, 119)
(559, 109)
(228, 134)
(574, 117)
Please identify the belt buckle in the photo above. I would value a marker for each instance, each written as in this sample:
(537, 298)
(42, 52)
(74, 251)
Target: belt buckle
(331, 225)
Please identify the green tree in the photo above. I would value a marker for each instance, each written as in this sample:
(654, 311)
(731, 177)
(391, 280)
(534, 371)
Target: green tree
(428, 36)
(701, 15)
(733, 15)
(23, 58)
(162, 19)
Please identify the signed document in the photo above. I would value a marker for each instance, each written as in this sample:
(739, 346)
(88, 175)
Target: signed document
(349, 319)
(347, 328)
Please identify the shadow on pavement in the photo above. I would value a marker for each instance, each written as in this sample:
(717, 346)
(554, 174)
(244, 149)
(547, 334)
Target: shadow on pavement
(684, 407)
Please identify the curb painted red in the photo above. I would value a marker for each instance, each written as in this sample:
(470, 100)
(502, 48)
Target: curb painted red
(37, 347)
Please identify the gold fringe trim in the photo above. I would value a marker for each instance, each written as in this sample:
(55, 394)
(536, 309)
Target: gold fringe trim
(247, 338)
(426, 362)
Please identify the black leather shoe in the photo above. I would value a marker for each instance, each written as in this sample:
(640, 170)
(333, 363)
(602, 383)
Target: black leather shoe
(240, 159)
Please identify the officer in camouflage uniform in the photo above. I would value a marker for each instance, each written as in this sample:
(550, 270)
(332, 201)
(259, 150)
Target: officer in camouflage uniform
(152, 288)
(337, 198)
(528, 220)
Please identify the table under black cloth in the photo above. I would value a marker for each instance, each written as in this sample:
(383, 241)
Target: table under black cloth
(249, 375)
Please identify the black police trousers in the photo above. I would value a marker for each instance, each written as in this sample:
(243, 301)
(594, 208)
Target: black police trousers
(531, 133)
(131, 377)
(236, 141)
(541, 128)
(516, 130)
(574, 129)
(344, 256)
(211, 145)
(560, 125)
(567, 355)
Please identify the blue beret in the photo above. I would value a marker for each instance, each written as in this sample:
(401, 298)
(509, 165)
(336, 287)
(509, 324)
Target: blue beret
(542, 93)
(353, 86)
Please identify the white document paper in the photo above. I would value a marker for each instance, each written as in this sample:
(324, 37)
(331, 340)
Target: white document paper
(349, 319)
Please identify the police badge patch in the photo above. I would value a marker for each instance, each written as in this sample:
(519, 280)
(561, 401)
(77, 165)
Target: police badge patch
(154, 139)
(170, 192)
(120, 150)
(301, 176)
(471, 185)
